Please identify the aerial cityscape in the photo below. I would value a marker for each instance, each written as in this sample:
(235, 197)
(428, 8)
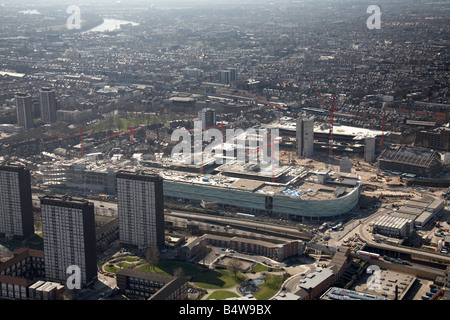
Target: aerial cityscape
(238, 151)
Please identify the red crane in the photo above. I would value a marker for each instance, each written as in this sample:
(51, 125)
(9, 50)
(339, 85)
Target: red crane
(330, 141)
(218, 126)
(383, 123)
(276, 105)
(131, 131)
(332, 109)
(71, 136)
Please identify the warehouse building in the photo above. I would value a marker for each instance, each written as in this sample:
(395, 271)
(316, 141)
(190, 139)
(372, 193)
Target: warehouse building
(395, 227)
(421, 211)
(335, 293)
(421, 162)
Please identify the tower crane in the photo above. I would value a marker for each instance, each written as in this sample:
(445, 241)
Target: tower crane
(131, 131)
(276, 105)
(71, 136)
(383, 122)
(332, 109)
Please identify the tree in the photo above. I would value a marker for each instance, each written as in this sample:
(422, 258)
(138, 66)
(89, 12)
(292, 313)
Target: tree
(235, 265)
(152, 256)
(203, 251)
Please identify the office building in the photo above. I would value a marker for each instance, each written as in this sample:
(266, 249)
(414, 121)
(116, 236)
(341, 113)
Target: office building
(16, 206)
(68, 227)
(24, 105)
(140, 209)
(208, 117)
(48, 104)
(305, 136)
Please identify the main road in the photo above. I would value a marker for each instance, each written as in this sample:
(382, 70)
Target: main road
(253, 225)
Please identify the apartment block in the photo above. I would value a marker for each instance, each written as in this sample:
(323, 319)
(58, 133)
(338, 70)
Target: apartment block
(16, 206)
(48, 104)
(151, 285)
(24, 105)
(68, 227)
(140, 209)
(18, 273)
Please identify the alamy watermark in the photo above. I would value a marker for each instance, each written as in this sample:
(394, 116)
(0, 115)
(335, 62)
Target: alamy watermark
(374, 21)
(251, 146)
(74, 20)
(74, 280)
(374, 281)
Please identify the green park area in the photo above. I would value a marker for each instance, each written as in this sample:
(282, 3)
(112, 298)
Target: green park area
(221, 283)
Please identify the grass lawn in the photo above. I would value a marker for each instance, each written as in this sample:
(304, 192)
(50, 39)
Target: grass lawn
(131, 259)
(123, 122)
(124, 265)
(222, 295)
(269, 287)
(112, 269)
(217, 279)
(171, 268)
(259, 268)
(151, 268)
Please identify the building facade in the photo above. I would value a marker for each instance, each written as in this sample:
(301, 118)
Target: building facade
(140, 209)
(17, 273)
(151, 285)
(68, 227)
(208, 117)
(418, 161)
(24, 105)
(48, 104)
(276, 251)
(16, 206)
(305, 136)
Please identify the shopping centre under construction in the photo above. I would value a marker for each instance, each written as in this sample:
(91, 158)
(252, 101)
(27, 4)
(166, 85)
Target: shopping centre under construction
(289, 191)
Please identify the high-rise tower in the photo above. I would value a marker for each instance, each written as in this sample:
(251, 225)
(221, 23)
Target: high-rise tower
(141, 209)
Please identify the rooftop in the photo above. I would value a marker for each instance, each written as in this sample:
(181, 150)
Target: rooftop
(338, 129)
(145, 275)
(315, 278)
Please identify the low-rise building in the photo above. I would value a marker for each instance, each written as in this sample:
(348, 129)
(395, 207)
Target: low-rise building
(20, 272)
(391, 226)
(276, 251)
(315, 283)
(147, 285)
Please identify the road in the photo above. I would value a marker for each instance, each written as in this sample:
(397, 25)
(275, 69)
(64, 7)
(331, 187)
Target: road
(253, 225)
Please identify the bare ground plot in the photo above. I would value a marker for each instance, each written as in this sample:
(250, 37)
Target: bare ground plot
(244, 265)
